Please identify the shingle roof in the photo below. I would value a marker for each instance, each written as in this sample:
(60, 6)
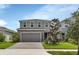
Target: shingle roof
(34, 19)
(6, 29)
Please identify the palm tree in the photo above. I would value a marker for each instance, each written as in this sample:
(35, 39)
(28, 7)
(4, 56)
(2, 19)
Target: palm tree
(54, 29)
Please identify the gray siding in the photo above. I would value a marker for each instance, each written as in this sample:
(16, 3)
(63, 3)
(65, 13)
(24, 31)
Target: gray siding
(43, 24)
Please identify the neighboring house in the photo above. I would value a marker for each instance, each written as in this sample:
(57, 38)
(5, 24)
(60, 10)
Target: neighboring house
(64, 27)
(33, 30)
(63, 30)
(72, 19)
(7, 33)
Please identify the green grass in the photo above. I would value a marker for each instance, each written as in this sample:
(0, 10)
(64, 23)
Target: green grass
(62, 52)
(4, 45)
(61, 45)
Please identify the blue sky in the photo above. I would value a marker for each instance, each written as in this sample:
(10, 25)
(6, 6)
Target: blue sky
(12, 13)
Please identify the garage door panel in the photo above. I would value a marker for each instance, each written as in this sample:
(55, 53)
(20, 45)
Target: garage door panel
(31, 37)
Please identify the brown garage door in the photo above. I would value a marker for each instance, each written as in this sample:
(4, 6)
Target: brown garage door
(31, 37)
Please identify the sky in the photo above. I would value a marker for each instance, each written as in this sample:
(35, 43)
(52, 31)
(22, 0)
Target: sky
(10, 14)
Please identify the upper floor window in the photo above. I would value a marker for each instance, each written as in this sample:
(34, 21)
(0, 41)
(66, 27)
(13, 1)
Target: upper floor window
(39, 24)
(46, 25)
(24, 24)
(31, 24)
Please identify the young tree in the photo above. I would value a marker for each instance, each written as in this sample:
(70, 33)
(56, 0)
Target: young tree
(54, 29)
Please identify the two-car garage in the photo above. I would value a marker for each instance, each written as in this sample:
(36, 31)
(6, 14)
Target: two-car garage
(31, 35)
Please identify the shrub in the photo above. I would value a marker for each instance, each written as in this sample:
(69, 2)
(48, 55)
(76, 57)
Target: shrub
(46, 41)
(2, 38)
(50, 39)
(15, 37)
(72, 41)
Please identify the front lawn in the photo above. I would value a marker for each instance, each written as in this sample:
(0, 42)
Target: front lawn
(4, 45)
(62, 52)
(61, 45)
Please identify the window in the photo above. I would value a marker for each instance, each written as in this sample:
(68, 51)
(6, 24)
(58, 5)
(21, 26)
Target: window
(31, 24)
(39, 24)
(46, 25)
(24, 24)
(66, 25)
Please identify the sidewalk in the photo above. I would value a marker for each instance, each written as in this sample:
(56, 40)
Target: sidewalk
(23, 52)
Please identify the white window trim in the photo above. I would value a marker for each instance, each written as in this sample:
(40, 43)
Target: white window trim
(24, 24)
(31, 29)
(30, 24)
(46, 24)
(39, 24)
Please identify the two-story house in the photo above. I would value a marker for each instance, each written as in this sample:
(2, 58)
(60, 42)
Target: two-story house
(33, 30)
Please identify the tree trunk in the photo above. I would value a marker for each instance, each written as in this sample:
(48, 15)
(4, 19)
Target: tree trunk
(78, 48)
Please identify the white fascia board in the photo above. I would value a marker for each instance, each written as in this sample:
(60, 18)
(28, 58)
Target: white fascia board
(31, 29)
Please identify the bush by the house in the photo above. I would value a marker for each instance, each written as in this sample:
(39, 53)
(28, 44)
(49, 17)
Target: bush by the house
(72, 41)
(49, 39)
(2, 38)
(15, 37)
(46, 41)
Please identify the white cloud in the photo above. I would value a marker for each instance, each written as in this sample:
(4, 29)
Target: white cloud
(52, 11)
(2, 22)
(17, 24)
(69, 8)
(3, 6)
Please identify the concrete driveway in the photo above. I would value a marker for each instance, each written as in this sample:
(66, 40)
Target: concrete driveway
(27, 45)
(25, 48)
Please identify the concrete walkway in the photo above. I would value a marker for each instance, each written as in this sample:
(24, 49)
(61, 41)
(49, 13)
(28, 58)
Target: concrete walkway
(25, 48)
